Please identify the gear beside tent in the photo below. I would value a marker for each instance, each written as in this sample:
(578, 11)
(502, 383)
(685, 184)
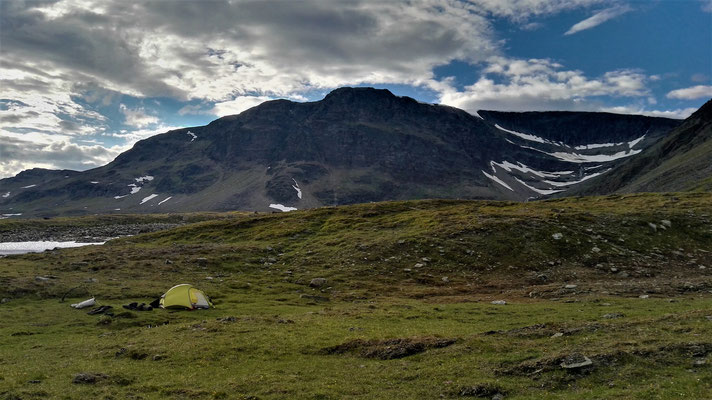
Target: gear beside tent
(185, 296)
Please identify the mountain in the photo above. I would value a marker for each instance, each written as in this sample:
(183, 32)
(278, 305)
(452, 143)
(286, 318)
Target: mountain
(356, 145)
(682, 161)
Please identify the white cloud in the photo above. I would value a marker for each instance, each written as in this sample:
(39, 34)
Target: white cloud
(598, 18)
(691, 93)
(237, 105)
(680, 113)
(24, 151)
(63, 60)
(131, 137)
(707, 6)
(522, 9)
(137, 117)
(541, 84)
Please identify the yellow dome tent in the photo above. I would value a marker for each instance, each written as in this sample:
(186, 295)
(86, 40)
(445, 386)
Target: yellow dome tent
(185, 296)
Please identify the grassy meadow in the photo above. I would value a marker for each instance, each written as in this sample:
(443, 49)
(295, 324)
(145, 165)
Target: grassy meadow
(405, 311)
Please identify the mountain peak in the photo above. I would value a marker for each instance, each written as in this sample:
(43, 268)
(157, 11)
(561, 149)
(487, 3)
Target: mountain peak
(351, 93)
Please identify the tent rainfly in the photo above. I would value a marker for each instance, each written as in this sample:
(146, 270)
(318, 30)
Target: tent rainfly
(185, 296)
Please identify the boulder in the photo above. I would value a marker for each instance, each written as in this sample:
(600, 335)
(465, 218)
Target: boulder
(317, 282)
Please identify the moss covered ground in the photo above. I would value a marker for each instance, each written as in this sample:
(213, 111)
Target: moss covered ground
(405, 311)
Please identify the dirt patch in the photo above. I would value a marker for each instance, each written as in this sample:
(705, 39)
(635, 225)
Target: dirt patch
(548, 330)
(92, 378)
(482, 391)
(388, 349)
(662, 354)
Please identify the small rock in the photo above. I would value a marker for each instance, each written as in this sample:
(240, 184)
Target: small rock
(401, 241)
(4, 300)
(499, 302)
(445, 279)
(41, 279)
(481, 391)
(576, 361)
(210, 278)
(613, 316)
(709, 317)
(314, 298)
(168, 261)
(666, 223)
(425, 259)
(595, 250)
(570, 286)
(653, 226)
(623, 274)
(557, 236)
(418, 265)
(158, 357)
(88, 378)
(644, 296)
(614, 269)
(697, 363)
(407, 269)
(317, 282)
(557, 334)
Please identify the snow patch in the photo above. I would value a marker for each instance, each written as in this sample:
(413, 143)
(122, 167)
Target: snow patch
(296, 187)
(596, 146)
(476, 114)
(120, 197)
(282, 208)
(193, 136)
(584, 158)
(6, 216)
(28, 186)
(94, 182)
(585, 178)
(134, 188)
(164, 200)
(6, 195)
(508, 166)
(540, 191)
(494, 178)
(142, 179)
(148, 198)
(636, 141)
(524, 136)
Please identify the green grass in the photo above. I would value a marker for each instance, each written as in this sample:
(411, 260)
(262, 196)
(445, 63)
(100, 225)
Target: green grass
(256, 268)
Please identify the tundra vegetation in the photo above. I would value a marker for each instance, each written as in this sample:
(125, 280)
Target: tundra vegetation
(599, 297)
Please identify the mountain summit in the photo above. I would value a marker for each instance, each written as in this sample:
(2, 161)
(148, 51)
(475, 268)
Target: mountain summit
(355, 145)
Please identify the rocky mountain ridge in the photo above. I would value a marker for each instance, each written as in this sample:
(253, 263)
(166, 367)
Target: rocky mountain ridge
(356, 145)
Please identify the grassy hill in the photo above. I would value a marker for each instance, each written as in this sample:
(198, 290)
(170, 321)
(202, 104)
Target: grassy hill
(405, 310)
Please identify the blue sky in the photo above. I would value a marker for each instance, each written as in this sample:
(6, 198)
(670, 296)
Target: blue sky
(82, 80)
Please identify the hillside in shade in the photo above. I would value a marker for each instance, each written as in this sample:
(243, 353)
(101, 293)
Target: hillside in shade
(356, 145)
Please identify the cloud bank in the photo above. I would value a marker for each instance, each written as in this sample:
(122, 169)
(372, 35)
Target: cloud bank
(80, 76)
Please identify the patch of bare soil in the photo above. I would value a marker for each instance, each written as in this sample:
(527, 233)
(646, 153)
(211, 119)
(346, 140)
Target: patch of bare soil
(388, 349)
(576, 363)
